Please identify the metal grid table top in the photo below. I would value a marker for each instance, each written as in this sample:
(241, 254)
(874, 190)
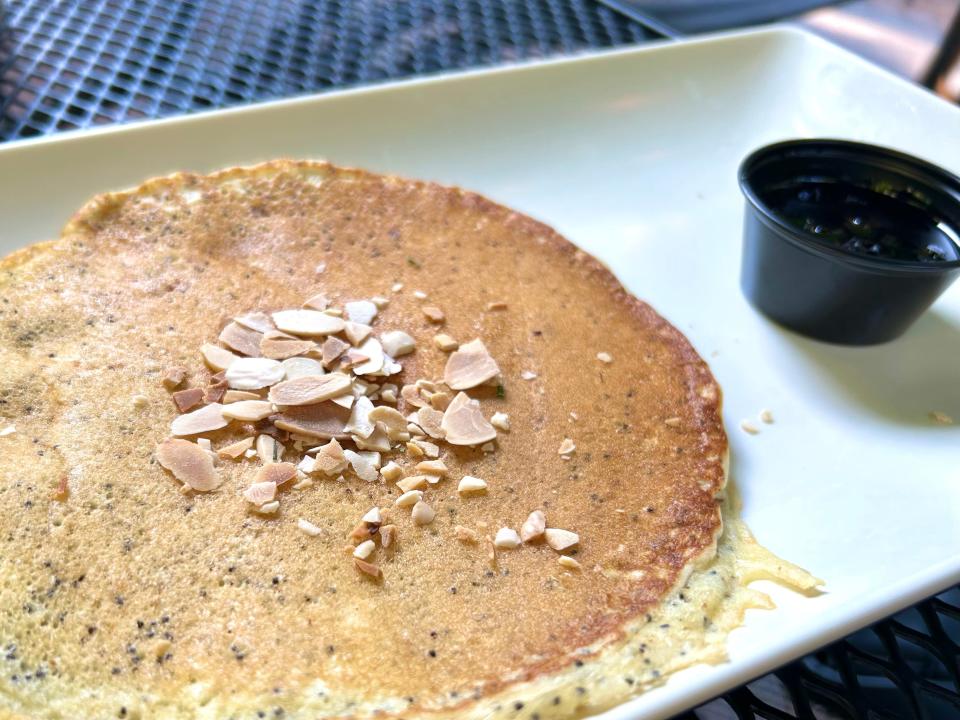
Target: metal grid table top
(68, 64)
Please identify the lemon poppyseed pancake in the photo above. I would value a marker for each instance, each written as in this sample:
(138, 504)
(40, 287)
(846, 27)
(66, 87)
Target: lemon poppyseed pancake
(301, 441)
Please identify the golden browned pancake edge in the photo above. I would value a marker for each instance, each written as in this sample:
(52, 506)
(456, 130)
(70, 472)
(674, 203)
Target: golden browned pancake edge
(132, 594)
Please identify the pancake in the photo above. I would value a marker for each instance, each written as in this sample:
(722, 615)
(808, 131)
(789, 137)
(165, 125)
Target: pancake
(136, 585)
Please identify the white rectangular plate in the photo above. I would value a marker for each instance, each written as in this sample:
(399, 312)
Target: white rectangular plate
(633, 154)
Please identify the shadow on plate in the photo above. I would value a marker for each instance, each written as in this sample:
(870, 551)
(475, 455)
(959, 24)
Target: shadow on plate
(902, 381)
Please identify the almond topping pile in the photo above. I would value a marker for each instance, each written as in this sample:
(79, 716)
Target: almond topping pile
(315, 394)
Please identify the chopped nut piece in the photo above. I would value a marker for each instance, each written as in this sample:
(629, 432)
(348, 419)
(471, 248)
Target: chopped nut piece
(215, 391)
(506, 539)
(941, 418)
(309, 389)
(232, 396)
(533, 527)
(605, 357)
(253, 373)
(364, 549)
(417, 432)
(561, 540)
(389, 394)
(345, 401)
(672, 422)
(260, 492)
(432, 422)
(414, 482)
(330, 460)
(419, 294)
(380, 301)
(258, 321)
(388, 535)
(357, 332)
(362, 465)
(306, 465)
(140, 401)
(433, 314)
(391, 471)
(277, 473)
(217, 357)
(497, 305)
(397, 287)
(189, 463)
(186, 399)
(360, 423)
(333, 348)
(321, 268)
(174, 377)
(363, 532)
(397, 343)
(308, 323)
(501, 421)
(465, 534)
(464, 424)
(411, 395)
(766, 416)
(445, 342)
(573, 416)
(568, 562)
(748, 427)
(393, 421)
(269, 449)
(308, 527)
(250, 453)
(248, 410)
(373, 516)
(241, 339)
(372, 349)
(469, 484)
(317, 302)
(334, 312)
(432, 467)
(528, 375)
(409, 498)
(361, 311)
(303, 484)
(324, 420)
(366, 568)
(566, 447)
(268, 508)
(280, 346)
(469, 366)
(235, 450)
(426, 448)
(423, 514)
(377, 440)
(440, 400)
(206, 419)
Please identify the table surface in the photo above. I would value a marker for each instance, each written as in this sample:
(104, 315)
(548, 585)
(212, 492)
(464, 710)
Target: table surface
(67, 64)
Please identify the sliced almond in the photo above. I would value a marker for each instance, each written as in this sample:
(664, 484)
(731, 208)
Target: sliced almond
(345, 401)
(360, 311)
(464, 424)
(317, 302)
(469, 484)
(397, 343)
(366, 568)
(308, 323)
(333, 348)
(568, 562)
(561, 540)
(465, 534)
(374, 352)
(433, 314)
(414, 482)
(276, 472)
(280, 346)
(260, 492)
(391, 471)
(377, 440)
(330, 460)
(364, 549)
(393, 421)
(253, 373)
(360, 423)
(206, 419)
(425, 447)
(469, 366)
(308, 527)
(372, 516)
(362, 465)
(232, 396)
(501, 421)
(189, 463)
(533, 527)
(388, 535)
(258, 321)
(423, 514)
(309, 389)
(235, 450)
(324, 420)
(409, 498)
(186, 399)
(241, 339)
(248, 410)
(217, 357)
(174, 377)
(433, 467)
(357, 332)
(496, 305)
(432, 422)
(506, 539)
(269, 449)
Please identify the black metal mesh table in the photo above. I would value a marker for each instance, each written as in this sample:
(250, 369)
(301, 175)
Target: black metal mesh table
(68, 64)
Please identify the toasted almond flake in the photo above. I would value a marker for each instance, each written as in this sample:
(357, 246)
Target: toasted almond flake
(366, 568)
(766, 416)
(206, 419)
(330, 459)
(235, 450)
(419, 294)
(362, 465)
(469, 366)
(357, 332)
(260, 492)
(241, 339)
(216, 357)
(308, 323)
(433, 313)
(376, 441)
(397, 287)
(397, 343)
(269, 449)
(501, 421)
(308, 527)
(415, 431)
(268, 508)
(440, 400)
(333, 312)
(566, 447)
(528, 375)
(186, 399)
(280, 346)
(393, 421)
(389, 395)
(317, 302)
(941, 418)
(232, 396)
(323, 420)
(174, 377)
(672, 422)
(506, 539)
(469, 484)
(422, 513)
(428, 448)
(253, 373)
(364, 549)
(561, 540)
(568, 562)
(189, 463)
(433, 467)
(409, 498)
(373, 516)
(333, 348)
(361, 311)
(205, 444)
(445, 342)
(388, 536)
(248, 410)
(465, 534)
(391, 471)
(533, 527)
(258, 321)
(464, 424)
(345, 401)
(309, 389)
(360, 423)
(748, 427)
(302, 484)
(432, 422)
(306, 465)
(414, 482)
(374, 351)
(276, 472)
(605, 357)
(497, 305)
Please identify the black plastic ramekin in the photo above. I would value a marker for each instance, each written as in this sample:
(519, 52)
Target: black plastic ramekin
(822, 290)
